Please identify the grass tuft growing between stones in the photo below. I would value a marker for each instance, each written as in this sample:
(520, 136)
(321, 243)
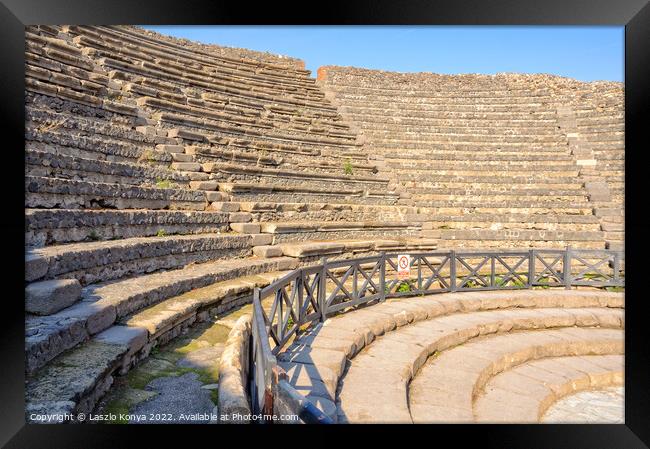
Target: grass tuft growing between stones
(347, 167)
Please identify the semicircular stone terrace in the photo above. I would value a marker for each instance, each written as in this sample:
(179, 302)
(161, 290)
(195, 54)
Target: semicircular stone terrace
(167, 179)
(442, 358)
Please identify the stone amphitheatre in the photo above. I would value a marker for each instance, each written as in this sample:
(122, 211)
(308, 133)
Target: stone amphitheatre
(211, 230)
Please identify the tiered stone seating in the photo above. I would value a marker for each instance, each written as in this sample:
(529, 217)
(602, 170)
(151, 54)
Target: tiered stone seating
(251, 137)
(428, 359)
(495, 146)
(516, 396)
(166, 180)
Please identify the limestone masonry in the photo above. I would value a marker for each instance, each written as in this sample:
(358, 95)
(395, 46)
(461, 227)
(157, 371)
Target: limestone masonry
(166, 179)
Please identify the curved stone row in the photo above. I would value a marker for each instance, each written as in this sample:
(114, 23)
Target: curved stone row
(318, 358)
(605, 405)
(445, 389)
(524, 393)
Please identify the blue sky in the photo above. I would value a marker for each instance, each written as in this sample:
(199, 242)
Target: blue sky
(586, 53)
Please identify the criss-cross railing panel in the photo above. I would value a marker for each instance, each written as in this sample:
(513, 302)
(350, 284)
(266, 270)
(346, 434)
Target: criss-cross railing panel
(548, 268)
(595, 268)
(350, 283)
(429, 273)
(311, 294)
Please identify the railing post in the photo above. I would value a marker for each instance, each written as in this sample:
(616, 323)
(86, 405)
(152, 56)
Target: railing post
(355, 281)
(322, 294)
(567, 268)
(452, 270)
(299, 297)
(531, 267)
(382, 276)
(617, 268)
(493, 269)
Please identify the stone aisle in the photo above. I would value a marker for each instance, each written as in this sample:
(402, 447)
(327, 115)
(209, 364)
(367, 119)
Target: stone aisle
(178, 379)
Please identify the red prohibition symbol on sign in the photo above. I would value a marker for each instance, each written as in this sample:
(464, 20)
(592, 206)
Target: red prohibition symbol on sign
(403, 262)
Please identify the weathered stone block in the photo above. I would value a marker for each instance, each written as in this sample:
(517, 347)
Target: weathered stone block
(182, 157)
(171, 148)
(35, 267)
(186, 166)
(311, 249)
(240, 217)
(48, 297)
(267, 251)
(245, 228)
(146, 130)
(216, 196)
(224, 206)
(261, 239)
(203, 185)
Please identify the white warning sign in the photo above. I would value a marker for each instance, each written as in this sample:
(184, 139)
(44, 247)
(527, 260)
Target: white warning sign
(403, 266)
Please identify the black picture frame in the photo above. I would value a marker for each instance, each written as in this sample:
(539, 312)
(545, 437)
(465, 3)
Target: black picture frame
(15, 14)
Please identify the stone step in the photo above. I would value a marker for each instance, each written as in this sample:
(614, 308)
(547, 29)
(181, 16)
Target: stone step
(517, 205)
(515, 397)
(309, 251)
(249, 192)
(161, 320)
(513, 243)
(100, 261)
(102, 304)
(408, 144)
(499, 186)
(48, 297)
(83, 374)
(523, 224)
(495, 120)
(56, 226)
(50, 165)
(42, 192)
(519, 234)
(328, 230)
(346, 335)
(489, 357)
(514, 110)
(376, 114)
(482, 164)
(505, 219)
(226, 170)
(397, 159)
(462, 138)
(486, 171)
(499, 208)
(51, 131)
(529, 180)
(469, 93)
(323, 212)
(525, 196)
(452, 127)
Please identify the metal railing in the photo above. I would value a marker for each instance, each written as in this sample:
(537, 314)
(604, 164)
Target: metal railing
(311, 294)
